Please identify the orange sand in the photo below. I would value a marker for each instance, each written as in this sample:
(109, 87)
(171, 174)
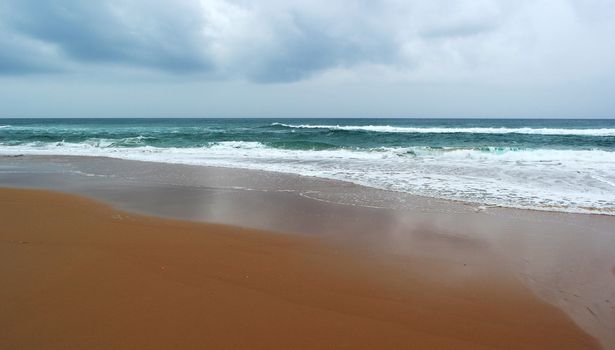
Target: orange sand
(76, 274)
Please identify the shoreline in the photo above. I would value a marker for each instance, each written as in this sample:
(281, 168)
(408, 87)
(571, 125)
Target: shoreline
(101, 278)
(581, 210)
(299, 177)
(565, 259)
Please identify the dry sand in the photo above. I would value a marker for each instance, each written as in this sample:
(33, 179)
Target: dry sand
(77, 274)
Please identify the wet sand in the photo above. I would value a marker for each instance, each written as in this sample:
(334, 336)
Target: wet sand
(77, 274)
(565, 260)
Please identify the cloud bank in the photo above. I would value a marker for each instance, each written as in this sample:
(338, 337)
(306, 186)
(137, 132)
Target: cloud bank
(287, 41)
(306, 58)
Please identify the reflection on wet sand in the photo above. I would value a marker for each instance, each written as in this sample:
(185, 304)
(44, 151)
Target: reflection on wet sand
(567, 260)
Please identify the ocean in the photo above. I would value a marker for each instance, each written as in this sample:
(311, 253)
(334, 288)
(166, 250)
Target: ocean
(556, 165)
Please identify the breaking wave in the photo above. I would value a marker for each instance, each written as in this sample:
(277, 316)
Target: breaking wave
(547, 179)
(439, 130)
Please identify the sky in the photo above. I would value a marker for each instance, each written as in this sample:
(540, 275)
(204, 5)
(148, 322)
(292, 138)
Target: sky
(307, 58)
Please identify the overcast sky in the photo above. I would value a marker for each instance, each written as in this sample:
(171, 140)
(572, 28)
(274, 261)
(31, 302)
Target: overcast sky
(307, 58)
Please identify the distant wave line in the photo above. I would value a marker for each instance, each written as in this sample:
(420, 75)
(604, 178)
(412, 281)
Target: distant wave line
(477, 130)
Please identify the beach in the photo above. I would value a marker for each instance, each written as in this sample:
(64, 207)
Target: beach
(82, 275)
(281, 175)
(126, 254)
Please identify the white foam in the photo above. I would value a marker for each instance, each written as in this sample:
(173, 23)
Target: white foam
(398, 129)
(561, 180)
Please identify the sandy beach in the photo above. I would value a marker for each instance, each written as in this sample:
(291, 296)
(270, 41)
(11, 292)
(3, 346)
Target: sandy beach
(223, 174)
(79, 274)
(168, 256)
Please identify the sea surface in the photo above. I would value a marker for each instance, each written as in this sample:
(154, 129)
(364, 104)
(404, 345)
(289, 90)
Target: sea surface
(557, 165)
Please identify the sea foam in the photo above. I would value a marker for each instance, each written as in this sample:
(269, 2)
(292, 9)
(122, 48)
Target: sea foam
(546, 179)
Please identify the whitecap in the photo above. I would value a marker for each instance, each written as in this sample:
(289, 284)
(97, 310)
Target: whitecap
(441, 130)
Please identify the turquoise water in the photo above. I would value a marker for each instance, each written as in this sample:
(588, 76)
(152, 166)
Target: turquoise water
(316, 134)
(566, 165)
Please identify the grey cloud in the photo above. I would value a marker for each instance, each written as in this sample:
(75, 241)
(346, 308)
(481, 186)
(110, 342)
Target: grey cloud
(21, 56)
(269, 41)
(91, 32)
(161, 36)
(345, 58)
(310, 48)
(12, 64)
(459, 31)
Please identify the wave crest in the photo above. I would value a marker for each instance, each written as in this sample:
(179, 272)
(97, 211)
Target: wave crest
(433, 130)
